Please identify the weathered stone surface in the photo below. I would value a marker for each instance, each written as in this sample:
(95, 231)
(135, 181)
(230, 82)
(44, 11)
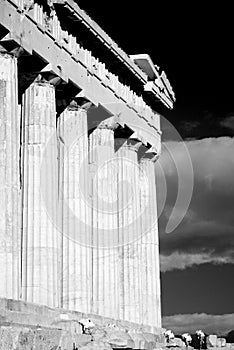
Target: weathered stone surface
(118, 338)
(46, 339)
(82, 339)
(159, 337)
(40, 243)
(6, 340)
(52, 269)
(139, 340)
(9, 179)
(13, 337)
(179, 342)
(32, 315)
(98, 333)
(20, 338)
(103, 179)
(149, 261)
(129, 232)
(211, 340)
(176, 342)
(151, 340)
(96, 346)
(49, 328)
(221, 342)
(26, 339)
(74, 211)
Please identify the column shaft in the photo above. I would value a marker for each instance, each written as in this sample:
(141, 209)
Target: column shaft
(75, 210)
(128, 214)
(104, 222)
(151, 301)
(40, 280)
(9, 179)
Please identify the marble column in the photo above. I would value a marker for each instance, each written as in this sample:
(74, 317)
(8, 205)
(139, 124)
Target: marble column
(150, 270)
(9, 179)
(129, 230)
(75, 209)
(40, 245)
(103, 171)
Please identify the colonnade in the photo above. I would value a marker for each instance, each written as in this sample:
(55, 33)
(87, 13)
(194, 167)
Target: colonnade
(78, 216)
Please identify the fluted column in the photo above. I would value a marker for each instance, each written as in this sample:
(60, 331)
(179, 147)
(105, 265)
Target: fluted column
(104, 220)
(9, 179)
(129, 230)
(40, 281)
(150, 272)
(75, 209)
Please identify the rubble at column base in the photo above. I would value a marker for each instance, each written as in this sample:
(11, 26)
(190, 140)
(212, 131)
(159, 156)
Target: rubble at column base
(32, 327)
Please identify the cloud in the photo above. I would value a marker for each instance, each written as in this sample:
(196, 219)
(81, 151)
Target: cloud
(206, 232)
(181, 261)
(189, 126)
(216, 324)
(202, 124)
(228, 122)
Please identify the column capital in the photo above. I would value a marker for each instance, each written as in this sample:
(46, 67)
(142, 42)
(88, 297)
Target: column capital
(150, 155)
(109, 123)
(42, 80)
(15, 50)
(76, 105)
(132, 144)
(4, 52)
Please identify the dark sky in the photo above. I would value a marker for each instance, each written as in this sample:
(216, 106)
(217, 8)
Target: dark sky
(195, 46)
(192, 43)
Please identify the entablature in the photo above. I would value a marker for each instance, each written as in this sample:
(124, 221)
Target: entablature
(141, 66)
(62, 55)
(157, 83)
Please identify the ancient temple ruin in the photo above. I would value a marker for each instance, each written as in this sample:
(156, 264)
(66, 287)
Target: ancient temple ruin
(80, 134)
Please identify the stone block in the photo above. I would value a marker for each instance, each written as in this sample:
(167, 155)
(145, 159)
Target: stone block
(178, 342)
(119, 339)
(96, 346)
(45, 339)
(160, 338)
(82, 340)
(211, 340)
(25, 339)
(221, 342)
(139, 341)
(151, 339)
(6, 340)
(98, 333)
(25, 326)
